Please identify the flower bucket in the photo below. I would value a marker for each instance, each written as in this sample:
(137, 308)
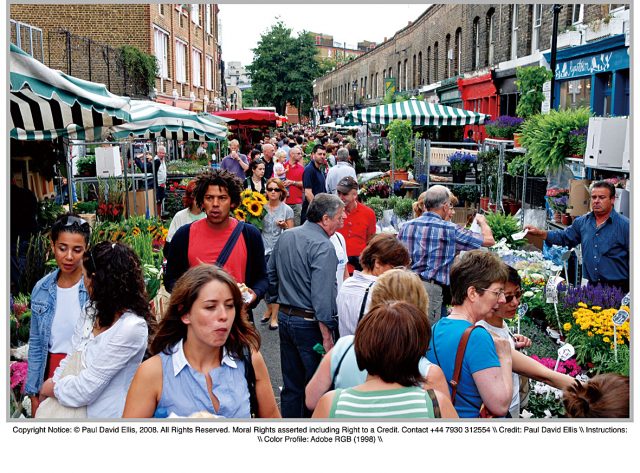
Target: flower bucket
(565, 219)
(516, 140)
(459, 177)
(484, 203)
(401, 175)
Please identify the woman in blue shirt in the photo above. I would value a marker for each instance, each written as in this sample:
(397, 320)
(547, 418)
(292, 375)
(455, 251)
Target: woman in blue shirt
(56, 303)
(202, 349)
(477, 289)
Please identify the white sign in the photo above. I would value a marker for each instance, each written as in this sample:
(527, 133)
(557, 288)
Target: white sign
(520, 235)
(546, 103)
(620, 317)
(566, 351)
(551, 291)
(626, 300)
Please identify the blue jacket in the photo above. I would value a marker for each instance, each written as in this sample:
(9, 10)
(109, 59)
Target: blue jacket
(256, 271)
(43, 309)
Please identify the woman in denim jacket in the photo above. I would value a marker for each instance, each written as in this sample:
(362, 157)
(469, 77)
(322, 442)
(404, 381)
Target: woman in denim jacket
(56, 303)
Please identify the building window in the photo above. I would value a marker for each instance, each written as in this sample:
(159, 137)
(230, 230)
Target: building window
(399, 77)
(195, 13)
(161, 9)
(420, 68)
(475, 46)
(435, 62)
(207, 18)
(490, 37)
(161, 46)
(414, 72)
(575, 93)
(377, 89)
(616, 6)
(404, 75)
(458, 53)
(537, 24)
(577, 13)
(181, 62)
(514, 31)
(429, 65)
(208, 73)
(196, 61)
(364, 88)
(449, 53)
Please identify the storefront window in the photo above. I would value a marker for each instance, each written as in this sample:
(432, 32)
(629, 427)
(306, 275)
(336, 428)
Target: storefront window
(575, 94)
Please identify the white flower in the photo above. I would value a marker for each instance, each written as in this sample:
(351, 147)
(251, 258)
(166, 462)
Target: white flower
(525, 414)
(528, 294)
(26, 404)
(20, 353)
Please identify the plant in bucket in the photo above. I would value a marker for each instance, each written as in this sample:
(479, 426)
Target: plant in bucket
(558, 199)
(461, 163)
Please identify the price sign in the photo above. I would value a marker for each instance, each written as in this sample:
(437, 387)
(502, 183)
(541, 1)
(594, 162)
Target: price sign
(520, 235)
(522, 309)
(566, 351)
(626, 300)
(551, 291)
(620, 317)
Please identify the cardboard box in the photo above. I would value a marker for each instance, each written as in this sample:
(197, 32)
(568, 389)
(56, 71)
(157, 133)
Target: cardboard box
(462, 215)
(579, 197)
(535, 240)
(140, 208)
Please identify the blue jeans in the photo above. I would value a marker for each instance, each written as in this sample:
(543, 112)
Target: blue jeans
(298, 361)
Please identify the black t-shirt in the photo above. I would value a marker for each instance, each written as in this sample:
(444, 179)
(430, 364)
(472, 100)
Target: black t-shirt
(313, 178)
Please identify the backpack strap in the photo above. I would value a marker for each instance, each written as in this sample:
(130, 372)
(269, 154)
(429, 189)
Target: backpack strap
(364, 301)
(250, 376)
(337, 370)
(229, 245)
(462, 346)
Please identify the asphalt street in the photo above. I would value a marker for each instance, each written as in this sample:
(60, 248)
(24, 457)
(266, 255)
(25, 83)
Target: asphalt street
(270, 349)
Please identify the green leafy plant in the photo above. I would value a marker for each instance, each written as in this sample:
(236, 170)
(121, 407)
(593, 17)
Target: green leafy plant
(399, 133)
(515, 167)
(37, 257)
(488, 170)
(85, 207)
(403, 208)
(529, 81)
(48, 212)
(503, 127)
(378, 205)
(547, 137)
(468, 194)
(86, 166)
(141, 68)
(503, 226)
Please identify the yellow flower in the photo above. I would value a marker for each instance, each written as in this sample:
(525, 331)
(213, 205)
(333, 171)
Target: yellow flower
(255, 209)
(246, 202)
(240, 215)
(590, 333)
(606, 339)
(582, 304)
(596, 307)
(566, 327)
(246, 193)
(259, 197)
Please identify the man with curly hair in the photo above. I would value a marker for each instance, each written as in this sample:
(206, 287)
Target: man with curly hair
(219, 238)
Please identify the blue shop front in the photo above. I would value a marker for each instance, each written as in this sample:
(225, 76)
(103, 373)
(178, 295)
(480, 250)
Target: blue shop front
(594, 75)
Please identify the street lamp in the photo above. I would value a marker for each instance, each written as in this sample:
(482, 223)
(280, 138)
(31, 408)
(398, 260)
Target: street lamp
(354, 85)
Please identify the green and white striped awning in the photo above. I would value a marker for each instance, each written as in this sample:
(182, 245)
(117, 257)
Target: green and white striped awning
(419, 112)
(47, 104)
(152, 119)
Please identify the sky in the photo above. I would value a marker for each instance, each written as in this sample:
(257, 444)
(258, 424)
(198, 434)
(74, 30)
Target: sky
(242, 25)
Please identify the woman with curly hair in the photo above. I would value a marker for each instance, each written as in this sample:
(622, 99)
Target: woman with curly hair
(206, 356)
(111, 335)
(189, 214)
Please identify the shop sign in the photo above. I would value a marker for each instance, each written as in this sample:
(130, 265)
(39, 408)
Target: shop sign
(604, 62)
(450, 95)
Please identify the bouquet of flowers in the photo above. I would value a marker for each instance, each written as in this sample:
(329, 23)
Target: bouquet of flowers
(558, 199)
(461, 161)
(251, 208)
(376, 188)
(19, 404)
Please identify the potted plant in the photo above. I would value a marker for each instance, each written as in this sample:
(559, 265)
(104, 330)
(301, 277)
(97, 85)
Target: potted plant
(403, 208)
(547, 137)
(467, 195)
(503, 226)
(86, 166)
(399, 133)
(503, 127)
(488, 170)
(461, 163)
(529, 81)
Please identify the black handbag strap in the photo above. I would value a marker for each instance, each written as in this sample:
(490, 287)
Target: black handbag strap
(250, 376)
(229, 245)
(335, 373)
(364, 301)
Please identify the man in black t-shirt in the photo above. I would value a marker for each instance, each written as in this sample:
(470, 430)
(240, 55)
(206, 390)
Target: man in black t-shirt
(313, 178)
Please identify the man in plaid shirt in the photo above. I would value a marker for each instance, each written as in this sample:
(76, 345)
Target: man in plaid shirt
(433, 241)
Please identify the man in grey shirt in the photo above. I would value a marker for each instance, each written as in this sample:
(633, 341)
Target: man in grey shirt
(340, 170)
(302, 279)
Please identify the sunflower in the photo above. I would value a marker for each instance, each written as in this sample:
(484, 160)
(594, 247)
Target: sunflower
(246, 193)
(257, 196)
(240, 215)
(246, 202)
(255, 209)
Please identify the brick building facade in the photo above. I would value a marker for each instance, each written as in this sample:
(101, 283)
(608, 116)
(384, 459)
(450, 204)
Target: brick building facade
(183, 37)
(453, 42)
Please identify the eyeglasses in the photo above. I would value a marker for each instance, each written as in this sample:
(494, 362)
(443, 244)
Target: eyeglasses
(71, 220)
(510, 297)
(274, 189)
(499, 292)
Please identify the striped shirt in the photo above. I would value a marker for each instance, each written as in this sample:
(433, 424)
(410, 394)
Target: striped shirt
(433, 242)
(403, 403)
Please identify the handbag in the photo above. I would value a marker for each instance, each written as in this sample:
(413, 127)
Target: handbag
(51, 408)
(457, 370)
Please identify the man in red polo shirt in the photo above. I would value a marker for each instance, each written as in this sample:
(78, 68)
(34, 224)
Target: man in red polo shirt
(360, 223)
(294, 170)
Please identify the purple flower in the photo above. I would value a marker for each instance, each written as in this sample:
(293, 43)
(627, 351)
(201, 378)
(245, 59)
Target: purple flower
(506, 121)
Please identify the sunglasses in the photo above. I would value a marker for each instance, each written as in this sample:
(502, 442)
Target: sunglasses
(510, 297)
(273, 189)
(70, 220)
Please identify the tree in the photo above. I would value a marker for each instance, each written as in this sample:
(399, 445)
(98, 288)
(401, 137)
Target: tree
(247, 98)
(284, 68)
